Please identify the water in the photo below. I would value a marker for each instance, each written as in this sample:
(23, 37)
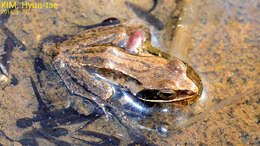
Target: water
(219, 39)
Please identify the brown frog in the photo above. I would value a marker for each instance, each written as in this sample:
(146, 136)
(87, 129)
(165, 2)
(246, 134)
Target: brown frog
(94, 63)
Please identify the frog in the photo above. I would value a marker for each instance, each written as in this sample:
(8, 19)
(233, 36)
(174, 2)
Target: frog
(99, 62)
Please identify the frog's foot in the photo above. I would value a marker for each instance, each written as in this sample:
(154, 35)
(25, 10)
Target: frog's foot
(108, 115)
(104, 107)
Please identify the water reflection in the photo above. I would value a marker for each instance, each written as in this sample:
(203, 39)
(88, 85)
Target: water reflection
(50, 130)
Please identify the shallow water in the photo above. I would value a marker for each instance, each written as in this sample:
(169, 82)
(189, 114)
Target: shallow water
(219, 39)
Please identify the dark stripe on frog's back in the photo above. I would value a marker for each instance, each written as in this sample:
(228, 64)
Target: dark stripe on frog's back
(94, 65)
(106, 35)
(76, 49)
(89, 34)
(113, 75)
(89, 50)
(131, 61)
(81, 49)
(87, 60)
(97, 60)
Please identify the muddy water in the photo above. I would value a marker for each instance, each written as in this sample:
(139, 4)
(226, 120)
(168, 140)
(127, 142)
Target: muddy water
(218, 39)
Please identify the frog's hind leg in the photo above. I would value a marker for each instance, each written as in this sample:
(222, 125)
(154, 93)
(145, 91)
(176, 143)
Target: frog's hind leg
(84, 84)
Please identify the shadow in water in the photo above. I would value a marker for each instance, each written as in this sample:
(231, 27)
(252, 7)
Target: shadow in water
(146, 15)
(4, 19)
(51, 120)
(105, 139)
(10, 43)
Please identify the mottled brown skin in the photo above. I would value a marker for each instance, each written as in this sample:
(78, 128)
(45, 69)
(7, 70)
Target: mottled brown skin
(87, 61)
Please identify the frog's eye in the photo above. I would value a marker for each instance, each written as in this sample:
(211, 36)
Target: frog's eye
(166, 94)
(173, 94)
(152, 95)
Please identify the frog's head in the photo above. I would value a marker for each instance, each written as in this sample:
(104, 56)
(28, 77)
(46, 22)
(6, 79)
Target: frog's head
(178, 84)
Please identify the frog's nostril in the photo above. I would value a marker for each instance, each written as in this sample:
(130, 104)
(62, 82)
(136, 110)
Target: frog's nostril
(177, 66)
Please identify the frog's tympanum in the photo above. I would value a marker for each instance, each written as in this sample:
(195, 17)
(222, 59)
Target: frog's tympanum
(95, 61)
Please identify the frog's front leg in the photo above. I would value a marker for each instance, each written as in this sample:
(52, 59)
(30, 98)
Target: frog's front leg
(83, 83)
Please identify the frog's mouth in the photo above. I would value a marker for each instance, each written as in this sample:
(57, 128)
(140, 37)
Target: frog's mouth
(153, 95)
